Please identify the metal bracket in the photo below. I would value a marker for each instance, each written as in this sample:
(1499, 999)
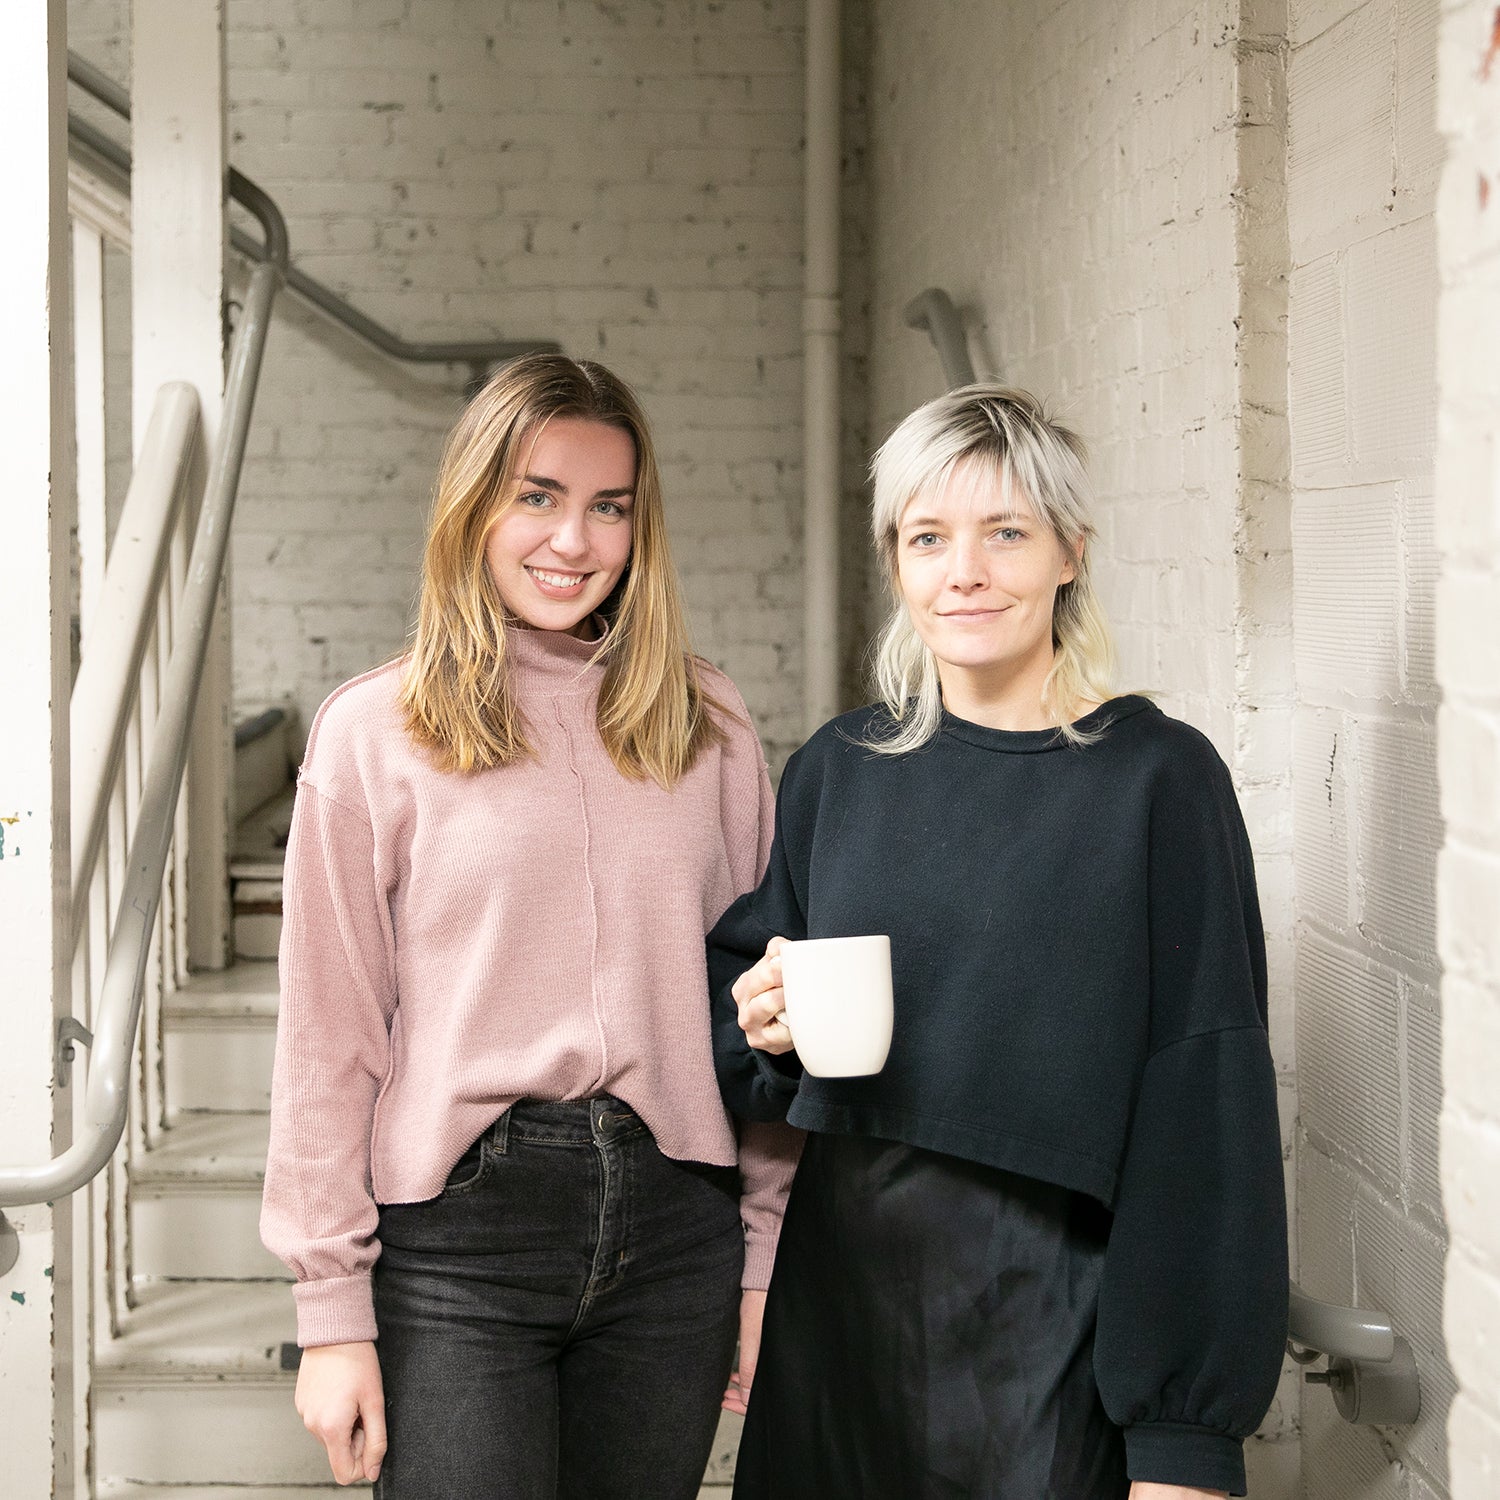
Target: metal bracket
(1371, 1373)
(69, 1031)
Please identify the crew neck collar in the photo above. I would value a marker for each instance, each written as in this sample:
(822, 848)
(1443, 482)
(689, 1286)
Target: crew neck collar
(1031, 741)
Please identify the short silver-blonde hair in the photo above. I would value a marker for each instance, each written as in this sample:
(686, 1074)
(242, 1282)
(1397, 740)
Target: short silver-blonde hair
(1002, 441)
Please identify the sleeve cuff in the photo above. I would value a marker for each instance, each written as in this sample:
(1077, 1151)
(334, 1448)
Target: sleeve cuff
(340, 1310)
(760, 1256)
(1194, 1457)
(781, 1072)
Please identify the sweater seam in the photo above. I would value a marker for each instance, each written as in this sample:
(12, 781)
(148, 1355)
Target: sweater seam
(323, 796)
(1199, 1035)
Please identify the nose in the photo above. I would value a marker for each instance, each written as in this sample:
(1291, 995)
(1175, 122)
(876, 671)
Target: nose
(966, 571)
(568, 540)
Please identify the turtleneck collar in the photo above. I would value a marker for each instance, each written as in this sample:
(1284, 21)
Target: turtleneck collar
(552, 661)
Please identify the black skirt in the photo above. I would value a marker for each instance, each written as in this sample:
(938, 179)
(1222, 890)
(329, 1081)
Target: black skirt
(929, 1334)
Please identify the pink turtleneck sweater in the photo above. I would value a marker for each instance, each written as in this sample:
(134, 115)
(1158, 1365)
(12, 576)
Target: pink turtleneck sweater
(453, 943)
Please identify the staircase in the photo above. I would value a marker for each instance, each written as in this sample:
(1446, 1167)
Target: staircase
(194, 1400)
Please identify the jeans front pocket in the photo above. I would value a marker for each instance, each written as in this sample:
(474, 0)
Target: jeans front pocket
(470, 1169)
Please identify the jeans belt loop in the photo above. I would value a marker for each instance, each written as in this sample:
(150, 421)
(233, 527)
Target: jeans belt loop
(500, 1134)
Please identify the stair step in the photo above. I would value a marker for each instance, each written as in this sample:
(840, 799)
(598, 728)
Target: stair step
(229, 1333)
(195, 1202)
(221, 1039)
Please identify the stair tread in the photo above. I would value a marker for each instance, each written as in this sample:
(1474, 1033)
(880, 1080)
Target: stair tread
(248, 977)
(207, 1147)
(216, 1328)
(248, 991)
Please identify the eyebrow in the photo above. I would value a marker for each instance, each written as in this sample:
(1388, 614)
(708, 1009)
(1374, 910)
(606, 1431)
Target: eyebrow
(559, 488)
(1007, 518)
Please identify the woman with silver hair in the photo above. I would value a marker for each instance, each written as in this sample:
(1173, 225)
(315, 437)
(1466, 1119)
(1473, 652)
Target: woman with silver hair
(1043, 1252)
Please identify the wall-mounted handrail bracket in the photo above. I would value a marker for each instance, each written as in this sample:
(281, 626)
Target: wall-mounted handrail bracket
(70, 1032)
(1371, 1372)
(10, 1245)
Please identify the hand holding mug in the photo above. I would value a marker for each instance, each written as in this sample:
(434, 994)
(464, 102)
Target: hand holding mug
(758, 994)
(828, 997)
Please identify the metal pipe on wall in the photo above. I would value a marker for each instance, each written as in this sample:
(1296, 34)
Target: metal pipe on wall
(821, 421)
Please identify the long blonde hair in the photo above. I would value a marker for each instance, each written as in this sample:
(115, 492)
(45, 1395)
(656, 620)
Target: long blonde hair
(460, 703)
(1004, 440)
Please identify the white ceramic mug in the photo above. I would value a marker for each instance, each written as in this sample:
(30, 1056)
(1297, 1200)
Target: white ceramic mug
(838, 1004)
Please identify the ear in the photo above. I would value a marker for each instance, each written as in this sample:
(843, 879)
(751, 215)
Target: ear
(1072, 559)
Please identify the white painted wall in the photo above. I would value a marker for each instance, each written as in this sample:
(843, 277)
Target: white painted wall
(1468, 669)
(1361, 182)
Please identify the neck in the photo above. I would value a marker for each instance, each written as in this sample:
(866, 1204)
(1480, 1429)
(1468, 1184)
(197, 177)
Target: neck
(998, 696)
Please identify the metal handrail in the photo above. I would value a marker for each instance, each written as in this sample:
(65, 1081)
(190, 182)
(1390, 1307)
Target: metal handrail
(119, 1008)
(933, 310)
(1341, 1332)
(480, 352)
(107, 674)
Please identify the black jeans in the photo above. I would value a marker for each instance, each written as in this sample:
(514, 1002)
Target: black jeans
(560, 1320)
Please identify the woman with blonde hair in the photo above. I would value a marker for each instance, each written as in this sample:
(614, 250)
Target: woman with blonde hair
(1042, 1254)
(518, 1215)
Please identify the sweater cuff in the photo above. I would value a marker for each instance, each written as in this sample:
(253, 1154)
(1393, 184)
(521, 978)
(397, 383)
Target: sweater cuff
(340, 1310)
(760, 1256)
(1194, 1457)
(781, 1072)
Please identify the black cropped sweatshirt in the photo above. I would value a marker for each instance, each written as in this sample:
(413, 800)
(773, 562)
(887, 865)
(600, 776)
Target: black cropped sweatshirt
(1080, 994)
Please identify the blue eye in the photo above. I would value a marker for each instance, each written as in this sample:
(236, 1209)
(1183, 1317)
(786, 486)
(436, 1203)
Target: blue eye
(611, 508)
(1011, 534)
(925, 539)
(534, 499)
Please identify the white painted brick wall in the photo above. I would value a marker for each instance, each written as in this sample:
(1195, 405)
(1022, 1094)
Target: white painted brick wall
(1468, 669)
(1362, 163)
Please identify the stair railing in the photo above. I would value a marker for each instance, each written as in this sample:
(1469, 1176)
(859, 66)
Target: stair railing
(101, 716)
(478, 354)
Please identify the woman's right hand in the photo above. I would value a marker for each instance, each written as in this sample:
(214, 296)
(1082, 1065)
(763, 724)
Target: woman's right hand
(341, 1401)
(757, 993)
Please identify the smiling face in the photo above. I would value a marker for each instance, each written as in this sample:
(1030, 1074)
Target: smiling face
(979, 574)
(559, 547)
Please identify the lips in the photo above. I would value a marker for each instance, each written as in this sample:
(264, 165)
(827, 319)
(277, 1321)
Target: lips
(558, 585)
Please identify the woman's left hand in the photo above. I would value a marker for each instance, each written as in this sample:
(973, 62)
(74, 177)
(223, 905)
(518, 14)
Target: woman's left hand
(1142, 1491)
(752, 1311)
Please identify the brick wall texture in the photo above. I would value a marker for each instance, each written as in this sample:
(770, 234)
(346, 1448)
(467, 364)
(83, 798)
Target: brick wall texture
(1362, 172)
(1468, 670)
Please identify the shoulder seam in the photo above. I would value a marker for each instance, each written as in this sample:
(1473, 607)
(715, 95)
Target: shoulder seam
(332, 801)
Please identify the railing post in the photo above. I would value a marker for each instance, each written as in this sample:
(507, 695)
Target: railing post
(177, 257)
(36, 1325)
